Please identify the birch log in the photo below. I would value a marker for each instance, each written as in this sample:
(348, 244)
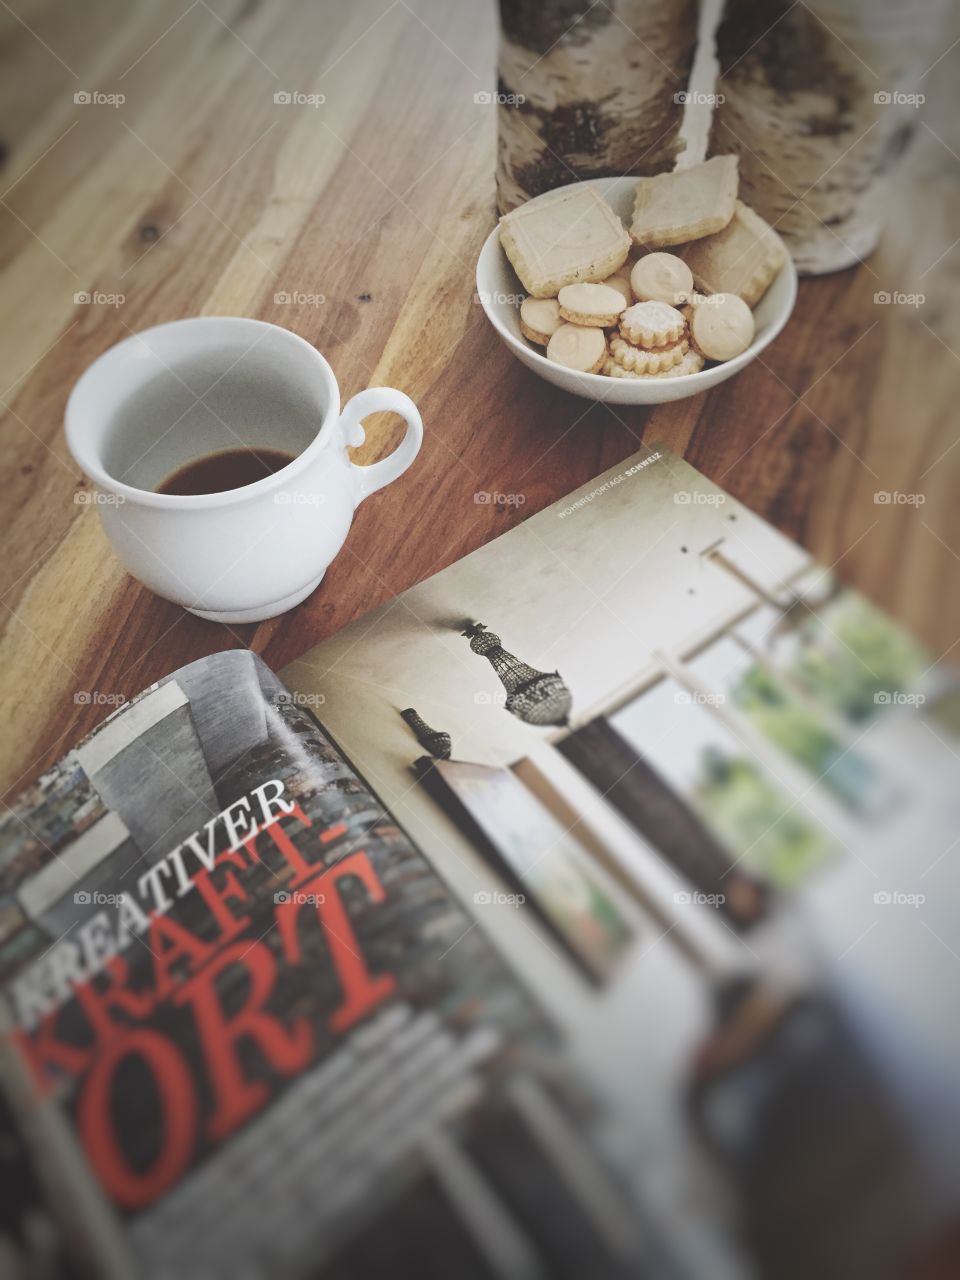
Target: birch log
(588, 90)
(819, 100)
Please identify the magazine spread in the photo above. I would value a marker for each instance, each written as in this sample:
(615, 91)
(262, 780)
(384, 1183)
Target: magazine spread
(589, 910)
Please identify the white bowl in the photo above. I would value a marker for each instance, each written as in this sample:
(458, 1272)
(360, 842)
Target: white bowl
(500, 291)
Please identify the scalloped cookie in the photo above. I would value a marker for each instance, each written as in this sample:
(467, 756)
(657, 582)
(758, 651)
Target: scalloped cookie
(647, 359)
(652, 324)
(692, 362)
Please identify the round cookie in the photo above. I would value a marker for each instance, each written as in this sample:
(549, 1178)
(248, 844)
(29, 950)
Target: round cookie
(652, 324)
(579, 347)
(593, 305)
(722, 326)
(644, 360)
(661, 277)
(621, 282)
(540, 319)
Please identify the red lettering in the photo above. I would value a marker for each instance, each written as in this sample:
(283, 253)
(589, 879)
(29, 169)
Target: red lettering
(97, 1004)
(361, 990)
(128, 1187)
(217, 898)
(287, 1051)
(41, 1050)
(171, 942)
(302, 869)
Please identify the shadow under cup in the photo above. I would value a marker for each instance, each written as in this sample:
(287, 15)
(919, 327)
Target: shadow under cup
(168, 411)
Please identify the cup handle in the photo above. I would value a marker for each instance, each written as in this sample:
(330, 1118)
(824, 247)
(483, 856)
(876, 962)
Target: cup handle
(380, 400)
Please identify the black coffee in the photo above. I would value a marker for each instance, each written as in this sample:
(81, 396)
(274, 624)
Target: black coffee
(231, 469)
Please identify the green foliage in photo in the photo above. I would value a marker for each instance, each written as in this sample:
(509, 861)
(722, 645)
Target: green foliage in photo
(759, 824)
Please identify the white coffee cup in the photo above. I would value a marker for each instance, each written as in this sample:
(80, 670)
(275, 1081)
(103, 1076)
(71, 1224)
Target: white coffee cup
(182, 391)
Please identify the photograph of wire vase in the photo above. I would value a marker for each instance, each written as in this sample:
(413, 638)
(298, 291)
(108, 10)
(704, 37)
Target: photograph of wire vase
(536, 697)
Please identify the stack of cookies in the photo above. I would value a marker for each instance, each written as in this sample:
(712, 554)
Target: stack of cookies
(602, 300)
(652, 342)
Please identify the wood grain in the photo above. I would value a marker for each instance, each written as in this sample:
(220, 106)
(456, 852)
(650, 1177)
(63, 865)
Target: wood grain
(200, 195)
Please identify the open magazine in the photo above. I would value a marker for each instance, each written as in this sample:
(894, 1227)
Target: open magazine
(589, 910)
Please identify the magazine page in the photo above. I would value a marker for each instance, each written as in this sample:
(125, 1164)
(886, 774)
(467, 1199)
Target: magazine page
(703, 797)
(250, 1031)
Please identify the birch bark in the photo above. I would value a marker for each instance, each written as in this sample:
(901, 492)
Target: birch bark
(819, 102)
(589, 90)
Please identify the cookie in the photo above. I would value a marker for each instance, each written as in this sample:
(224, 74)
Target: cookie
(620, 281)
(596, 305)
(673, 208)
(693, 301)
(614, 370)
(692, 362)
(563, 237)
(661, 277)
(540, 319)
(643, 360)
(743, 258)
(578, 347)
(722, 326)
(651, 324)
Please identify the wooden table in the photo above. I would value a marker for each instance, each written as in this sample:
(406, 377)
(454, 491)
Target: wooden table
(201, 195)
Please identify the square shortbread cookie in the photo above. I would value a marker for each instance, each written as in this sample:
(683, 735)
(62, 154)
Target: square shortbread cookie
(743, 258)
(561, 238)
(673, 208)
